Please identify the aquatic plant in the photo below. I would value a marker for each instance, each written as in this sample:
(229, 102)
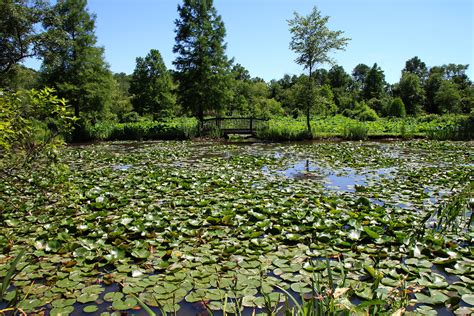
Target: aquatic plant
(179, 223)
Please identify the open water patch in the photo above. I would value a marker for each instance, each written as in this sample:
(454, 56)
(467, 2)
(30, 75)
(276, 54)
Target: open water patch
(344, 180)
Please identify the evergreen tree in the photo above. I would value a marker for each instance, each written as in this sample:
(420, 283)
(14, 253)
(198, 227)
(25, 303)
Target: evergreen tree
(359, 75)
(417, 67)
(73, 64)
(202, 66)
(374, 83)
(152, 87)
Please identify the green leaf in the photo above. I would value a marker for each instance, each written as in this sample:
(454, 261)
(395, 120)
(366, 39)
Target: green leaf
(468, 298)
(90, 309)
(128, 303)
(87, 298)
(371, 233)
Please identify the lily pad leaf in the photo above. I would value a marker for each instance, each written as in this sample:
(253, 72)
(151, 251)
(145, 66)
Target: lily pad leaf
(435, 298)
(140, 253)
(113, 296)
(90, 309)
(87, 298)
(61, 311)
(128, 303)
(468, 298)
(371, 233)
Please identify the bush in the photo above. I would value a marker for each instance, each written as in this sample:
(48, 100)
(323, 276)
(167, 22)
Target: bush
(32, 125)
(130, 117)
(362, 112)
(397, 108)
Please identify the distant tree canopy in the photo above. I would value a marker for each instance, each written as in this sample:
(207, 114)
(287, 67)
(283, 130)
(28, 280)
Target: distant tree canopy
(205, 81)
(203, 69)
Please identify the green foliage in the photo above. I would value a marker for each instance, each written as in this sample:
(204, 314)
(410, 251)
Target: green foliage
(359, 75)
(6, 281)
(416, 66)
(73, 64)
(461, 128)
(356, 131)
(252, 98)
(362, 112)
(412, 93)
(19, 77)
(447, 99)
(431, 88)
(374, 83)
(174, 129)
(19, 32)
(202, 66)
(396, 108)
(312, 41)
(152, 88)
(130, 117)
(284, 129)
(31, 125)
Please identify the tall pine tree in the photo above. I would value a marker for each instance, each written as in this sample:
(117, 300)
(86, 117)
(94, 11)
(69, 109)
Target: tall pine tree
(73, 64)
(203, 69)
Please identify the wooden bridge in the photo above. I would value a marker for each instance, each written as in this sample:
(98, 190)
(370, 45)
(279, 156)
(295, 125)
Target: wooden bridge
(234, 125)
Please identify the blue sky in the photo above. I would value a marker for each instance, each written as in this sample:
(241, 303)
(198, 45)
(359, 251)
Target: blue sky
(386, 32)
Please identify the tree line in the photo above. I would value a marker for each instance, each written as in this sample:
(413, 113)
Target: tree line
(205, 80)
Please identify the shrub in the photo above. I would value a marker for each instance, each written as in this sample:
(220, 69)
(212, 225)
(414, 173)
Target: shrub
(130, 117)
(32, 125)
(362, 112)
(397, 108)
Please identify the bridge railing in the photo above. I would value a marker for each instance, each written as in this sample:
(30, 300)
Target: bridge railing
(237, 125)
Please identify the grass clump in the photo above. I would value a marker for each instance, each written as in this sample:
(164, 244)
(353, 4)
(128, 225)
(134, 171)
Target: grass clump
(356, 131)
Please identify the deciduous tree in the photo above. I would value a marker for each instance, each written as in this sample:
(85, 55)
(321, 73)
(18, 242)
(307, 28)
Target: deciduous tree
(312, 41)
(447, 98)
(20, 32)
(411, 92)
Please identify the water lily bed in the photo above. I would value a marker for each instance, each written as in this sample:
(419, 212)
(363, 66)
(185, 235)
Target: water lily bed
(188, 226)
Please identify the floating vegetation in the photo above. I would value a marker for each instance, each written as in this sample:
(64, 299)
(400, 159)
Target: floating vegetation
(188, 227)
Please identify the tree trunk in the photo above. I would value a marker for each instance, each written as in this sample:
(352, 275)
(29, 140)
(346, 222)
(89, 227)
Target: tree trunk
(308, 121)
(310, 97)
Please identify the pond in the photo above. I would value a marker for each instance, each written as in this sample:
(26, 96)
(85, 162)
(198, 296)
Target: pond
(189, 227)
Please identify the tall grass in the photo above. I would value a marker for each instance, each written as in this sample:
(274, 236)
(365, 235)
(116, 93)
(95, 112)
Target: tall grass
(7, 281)
(180, 128)
(356, 131)
(452, 127)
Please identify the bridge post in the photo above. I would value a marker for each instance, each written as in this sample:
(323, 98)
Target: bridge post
(251, 125)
